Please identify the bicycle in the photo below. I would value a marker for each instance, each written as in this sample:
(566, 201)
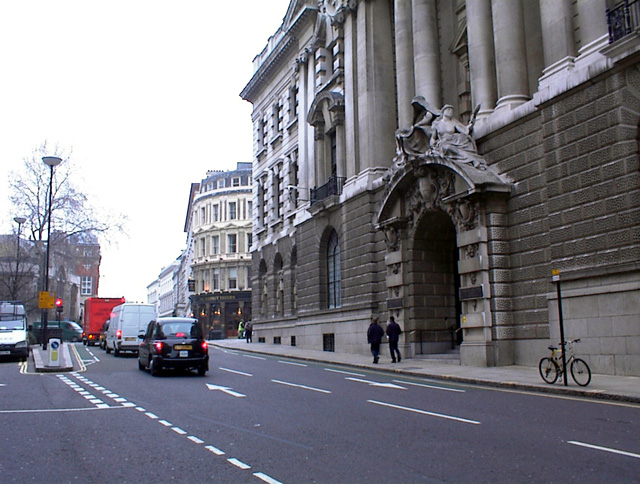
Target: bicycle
(551, 367)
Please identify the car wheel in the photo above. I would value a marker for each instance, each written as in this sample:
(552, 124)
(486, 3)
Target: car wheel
(141, 367)
(154, 368)
(202, 370)
(107, 349)
(116, 351)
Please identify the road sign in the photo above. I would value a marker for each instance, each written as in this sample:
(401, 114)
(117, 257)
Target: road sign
(46, 300)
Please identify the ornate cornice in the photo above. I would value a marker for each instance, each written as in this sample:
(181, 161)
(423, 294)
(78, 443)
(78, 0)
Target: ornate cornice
(278, 54)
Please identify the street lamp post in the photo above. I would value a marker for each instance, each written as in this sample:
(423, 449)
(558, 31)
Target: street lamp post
(19, 221)
(50, 161)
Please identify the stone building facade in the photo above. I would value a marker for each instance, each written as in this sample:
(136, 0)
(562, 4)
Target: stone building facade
(358, 213)
(220, 238)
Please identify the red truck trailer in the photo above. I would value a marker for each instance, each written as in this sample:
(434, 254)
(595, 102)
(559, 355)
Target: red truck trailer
(97, 311)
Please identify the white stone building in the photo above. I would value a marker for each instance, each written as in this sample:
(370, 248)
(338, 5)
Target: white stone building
(220, 240)
(359, 212)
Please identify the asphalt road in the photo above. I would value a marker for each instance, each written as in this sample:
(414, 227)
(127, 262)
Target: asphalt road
(261, 419)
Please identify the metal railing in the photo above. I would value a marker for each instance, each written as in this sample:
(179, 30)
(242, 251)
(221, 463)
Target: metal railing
(623, 19)
(447, 335)
(332, 187)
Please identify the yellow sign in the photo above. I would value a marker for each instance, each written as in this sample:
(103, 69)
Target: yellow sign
(555, 272)
(46, 300)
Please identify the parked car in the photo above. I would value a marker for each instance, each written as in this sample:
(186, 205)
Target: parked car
(173, 343)
(71, 331)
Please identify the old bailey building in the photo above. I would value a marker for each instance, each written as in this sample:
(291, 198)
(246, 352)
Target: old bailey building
(439, 161)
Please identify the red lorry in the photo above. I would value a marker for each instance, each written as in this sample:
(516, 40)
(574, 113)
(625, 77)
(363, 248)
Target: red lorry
(97, 311)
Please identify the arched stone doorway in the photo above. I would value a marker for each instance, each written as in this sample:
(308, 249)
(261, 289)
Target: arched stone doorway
(433, 303)
(441, 220)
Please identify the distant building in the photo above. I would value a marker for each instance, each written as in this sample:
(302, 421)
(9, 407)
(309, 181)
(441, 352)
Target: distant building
(74, 271)
(220, 239)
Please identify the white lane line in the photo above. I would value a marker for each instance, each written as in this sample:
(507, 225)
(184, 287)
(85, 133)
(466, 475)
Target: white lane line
(178, 430)
(238, 463)
(55, 410)
(291, 363)
(152, 416)
(165, 423)
(424, 412)
(195, 439)
(254, 357)
(435, 387)
(266, 478)
(344, 372)
(215, 450)
(376, 384)
(300, 386)
(235, 371)
(606, 449)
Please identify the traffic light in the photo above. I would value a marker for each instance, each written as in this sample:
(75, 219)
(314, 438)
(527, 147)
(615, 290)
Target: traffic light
(59, 306)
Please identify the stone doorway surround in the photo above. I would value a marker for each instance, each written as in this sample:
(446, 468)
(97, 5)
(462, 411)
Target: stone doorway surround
(475, 200)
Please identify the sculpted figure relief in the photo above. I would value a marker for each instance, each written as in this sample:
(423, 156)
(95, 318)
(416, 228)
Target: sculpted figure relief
(437, 131)
(415, 140)
(452, 139)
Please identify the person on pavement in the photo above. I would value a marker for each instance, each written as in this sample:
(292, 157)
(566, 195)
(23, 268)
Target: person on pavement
(394, 332)
(374, 337)
(248, 330)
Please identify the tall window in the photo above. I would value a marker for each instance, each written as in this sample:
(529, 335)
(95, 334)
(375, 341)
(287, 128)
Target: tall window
(232, 243)
(216, 213)
(216, 280)
(215, 245)
(333, 271)
(233, 211)
(86, 285)
(233, 278)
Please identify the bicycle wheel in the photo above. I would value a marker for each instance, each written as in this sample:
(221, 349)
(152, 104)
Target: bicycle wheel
(580, 372)
(548, 370)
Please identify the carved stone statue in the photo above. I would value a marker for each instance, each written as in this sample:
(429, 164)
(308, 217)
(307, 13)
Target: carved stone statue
(452, 139)
(415, 139)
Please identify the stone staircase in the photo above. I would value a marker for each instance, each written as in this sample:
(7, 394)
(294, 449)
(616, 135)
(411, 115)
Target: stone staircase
(451, 357)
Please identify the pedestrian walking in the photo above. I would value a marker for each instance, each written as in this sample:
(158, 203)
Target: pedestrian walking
(240, 330)
(248, 331)
(393, 332)
(374, 337)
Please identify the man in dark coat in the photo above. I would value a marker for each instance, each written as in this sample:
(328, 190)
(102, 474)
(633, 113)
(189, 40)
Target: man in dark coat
(374, 337)
(394, 332)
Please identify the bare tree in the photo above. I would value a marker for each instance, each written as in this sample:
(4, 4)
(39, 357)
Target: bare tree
(73, 218)
(71, 212)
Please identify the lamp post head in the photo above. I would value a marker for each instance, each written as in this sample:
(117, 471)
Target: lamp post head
(19, 220)
(51, 161)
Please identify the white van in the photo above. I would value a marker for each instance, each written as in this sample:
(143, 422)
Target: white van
(14, 338)
(126, 322)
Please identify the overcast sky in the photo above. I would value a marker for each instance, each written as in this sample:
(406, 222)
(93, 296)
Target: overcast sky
(146, 95)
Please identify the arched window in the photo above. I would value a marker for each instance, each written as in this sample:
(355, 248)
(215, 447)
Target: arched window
(333, 272)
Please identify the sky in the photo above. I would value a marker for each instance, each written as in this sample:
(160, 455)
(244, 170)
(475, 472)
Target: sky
(145, 94)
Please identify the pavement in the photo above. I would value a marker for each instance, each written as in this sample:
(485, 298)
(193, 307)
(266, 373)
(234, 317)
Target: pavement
(602, 387)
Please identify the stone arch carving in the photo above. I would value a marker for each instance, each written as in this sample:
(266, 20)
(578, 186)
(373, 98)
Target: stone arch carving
(417, 190)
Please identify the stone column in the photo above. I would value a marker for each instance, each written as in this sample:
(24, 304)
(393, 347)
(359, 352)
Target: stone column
(425, 51)
(404, 62)
(557, 30)
(557, 39)
(511, 52)
(482, 62)
(593, 25)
